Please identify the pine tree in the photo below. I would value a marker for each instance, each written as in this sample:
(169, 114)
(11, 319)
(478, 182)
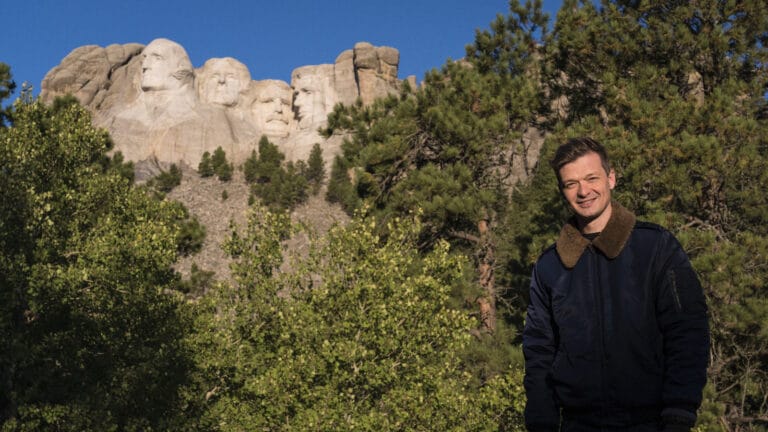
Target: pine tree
(7, 86)
(340, 189)
(224, 172)
(250, 167)
(167, 180)
(278, 187)
(221, 167)
(205, 167)
(270, 160)
(676, 90)
(447, 148)
(293, 186)
(315, 174)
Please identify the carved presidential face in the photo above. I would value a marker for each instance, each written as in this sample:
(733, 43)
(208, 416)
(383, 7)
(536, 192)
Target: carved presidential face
(308, 96)
(222, 81)
(165, 66)
(271, 107)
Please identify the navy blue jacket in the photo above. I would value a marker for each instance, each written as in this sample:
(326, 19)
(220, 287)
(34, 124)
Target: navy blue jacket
(616, 332)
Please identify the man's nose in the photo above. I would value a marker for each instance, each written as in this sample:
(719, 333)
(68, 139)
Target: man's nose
(581, 190)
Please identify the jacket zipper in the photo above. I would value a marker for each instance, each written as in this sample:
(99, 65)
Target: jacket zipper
(600, 322)
(673, 289)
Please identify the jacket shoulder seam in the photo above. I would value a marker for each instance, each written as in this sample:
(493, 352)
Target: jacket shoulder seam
(649, 226)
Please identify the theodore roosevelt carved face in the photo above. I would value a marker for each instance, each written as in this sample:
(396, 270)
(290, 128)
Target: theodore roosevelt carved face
(271, 107)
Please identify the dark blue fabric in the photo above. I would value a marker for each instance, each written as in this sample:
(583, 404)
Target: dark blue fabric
(615, 339)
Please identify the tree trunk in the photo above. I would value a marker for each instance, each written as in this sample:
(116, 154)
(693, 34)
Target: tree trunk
(486, 260)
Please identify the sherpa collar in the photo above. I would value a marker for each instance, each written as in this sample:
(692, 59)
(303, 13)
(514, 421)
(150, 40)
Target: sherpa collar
(571, 244)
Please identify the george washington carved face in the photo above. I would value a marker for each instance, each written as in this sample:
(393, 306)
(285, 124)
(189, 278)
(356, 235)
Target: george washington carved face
(165, 66)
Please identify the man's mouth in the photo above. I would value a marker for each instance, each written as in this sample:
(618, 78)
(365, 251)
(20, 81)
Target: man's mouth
(586, 203)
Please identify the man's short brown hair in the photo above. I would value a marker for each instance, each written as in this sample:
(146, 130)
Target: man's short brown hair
(575, 148)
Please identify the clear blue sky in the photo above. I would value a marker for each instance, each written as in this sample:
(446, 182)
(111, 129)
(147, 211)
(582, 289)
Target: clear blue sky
(270, 37)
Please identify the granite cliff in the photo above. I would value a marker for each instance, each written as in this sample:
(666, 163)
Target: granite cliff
(158, 106)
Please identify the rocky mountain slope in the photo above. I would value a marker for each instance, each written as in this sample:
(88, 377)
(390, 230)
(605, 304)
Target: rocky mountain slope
(203, 199)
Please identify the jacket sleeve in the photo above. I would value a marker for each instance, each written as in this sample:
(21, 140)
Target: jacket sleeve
(539, 346)
(681, 312)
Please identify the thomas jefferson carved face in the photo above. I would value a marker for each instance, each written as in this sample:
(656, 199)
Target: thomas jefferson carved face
(222, 80)
(271, 107)
(165, 66)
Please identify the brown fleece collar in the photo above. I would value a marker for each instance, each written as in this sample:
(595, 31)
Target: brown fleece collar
(571, 244)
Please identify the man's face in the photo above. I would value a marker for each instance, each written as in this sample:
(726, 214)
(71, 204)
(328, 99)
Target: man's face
(224, 87)
(305, 101)
(308, 98)
(222, 82)
(158, 67)
(587, 188)
(272, 110)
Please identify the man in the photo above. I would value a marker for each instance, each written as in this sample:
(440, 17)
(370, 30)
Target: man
(616, 336)
(165, 66)
(223, 81)
(311, 87)
(271, 107)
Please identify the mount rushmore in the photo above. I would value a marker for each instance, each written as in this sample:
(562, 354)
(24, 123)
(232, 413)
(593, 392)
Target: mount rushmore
(157, 106)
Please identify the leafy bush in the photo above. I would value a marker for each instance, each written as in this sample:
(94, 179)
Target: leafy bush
(191, 236)
(199, 282)
(366, 340)
(117, 164)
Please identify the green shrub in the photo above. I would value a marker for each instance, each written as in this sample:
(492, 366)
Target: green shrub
(340, 188)
(167, 180)
(191, 236)
(315, 173)
(205, 168)
(199, 281)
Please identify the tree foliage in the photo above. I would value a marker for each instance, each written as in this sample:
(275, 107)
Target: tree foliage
(167, 180)
(676, 90)
(205, 167)
(359, 336)
(315, 173)
(373, 328)
(340, 188)
(278, 185)
(7, 86)
(91, 339)
(221, 167)
(450, 147)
